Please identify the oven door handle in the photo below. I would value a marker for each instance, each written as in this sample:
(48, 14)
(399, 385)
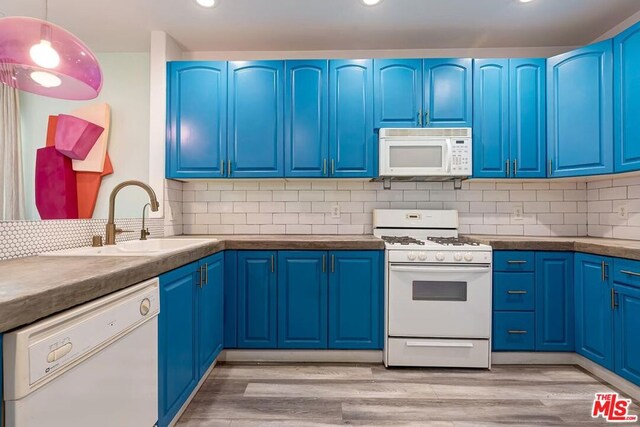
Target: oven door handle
(458, 269)
(439, 344)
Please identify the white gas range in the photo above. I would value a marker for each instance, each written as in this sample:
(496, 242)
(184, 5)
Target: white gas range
(437, 291)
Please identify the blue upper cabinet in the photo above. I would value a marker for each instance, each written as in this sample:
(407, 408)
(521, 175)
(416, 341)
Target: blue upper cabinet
(447, 92)
(580, 111)
(210, 311)
(302, 299)
(256, 124)
(355, 300)
(555, 318)
(257, 293)
(594, 317)
(306, 117)
(196, 119)
(352, 142)
(527, 118)
(626, 101)
(491, 118)
(398, 93)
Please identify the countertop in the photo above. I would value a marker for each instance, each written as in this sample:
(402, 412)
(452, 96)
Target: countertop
(593, 245)
(32, 288)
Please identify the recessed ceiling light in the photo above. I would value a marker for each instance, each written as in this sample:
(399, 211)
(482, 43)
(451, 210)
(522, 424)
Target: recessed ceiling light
(525, 1)
(371, 2)
(207, 3)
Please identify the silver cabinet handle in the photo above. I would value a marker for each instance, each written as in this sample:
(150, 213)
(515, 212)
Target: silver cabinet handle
(508, 163)
(229, 167)
(419, 118)
(333, 263)
(550, 167)
(614, 304)
(427, 119)
(630, 273)
(201, 282)
(515, 167)
(324, 263)
(517, 332)
(517, 292)
(324, 166)
(333, 167)
(222, 167)
(516, 261)
(273, 267)
(605, 273)
(206, 274)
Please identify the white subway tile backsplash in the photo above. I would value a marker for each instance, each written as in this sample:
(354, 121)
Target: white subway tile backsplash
(337, 196)
(538, 185)
(298, 206)
(564, 206)
(233, 218)
(482, 207)
(246, 185)
(562, 185)
(469, 196)
(298, 229)
(208, 218)
(287, 218)
(233, 196)
(364, 195)
(441, 196)
(246, 229)
(613, 193)
(495, 196)
(350, 185)
(260, 218)
(512, 230)
(416, 196)
(272, 207)
(260, 196)
(221, 185)
(550, 195)
(522, 196)
(324, 229)
(269, 184)
(483, 229)
(272, 229)
(243, 207)
(551, 218)
(220, 207)
(311, 218)
(536, 207)
(391, 196)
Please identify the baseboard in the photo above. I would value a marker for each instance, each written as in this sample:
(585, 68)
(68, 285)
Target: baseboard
(606, 375)
(301, 356)
(532, 358)
(175, 419)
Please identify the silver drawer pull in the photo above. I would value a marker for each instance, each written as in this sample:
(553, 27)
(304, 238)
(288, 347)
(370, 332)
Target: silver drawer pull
(439, 344)
(517, 332)
(630, 273)
(517, 292)
(516, 262)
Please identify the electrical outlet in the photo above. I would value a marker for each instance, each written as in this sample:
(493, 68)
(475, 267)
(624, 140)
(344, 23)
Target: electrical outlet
(517, 213)
(335, 211)
(623, 211)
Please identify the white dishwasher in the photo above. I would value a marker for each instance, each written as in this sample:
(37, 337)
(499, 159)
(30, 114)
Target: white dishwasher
(94, 365)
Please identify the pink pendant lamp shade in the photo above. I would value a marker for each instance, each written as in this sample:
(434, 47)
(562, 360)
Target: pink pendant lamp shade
(39, 57)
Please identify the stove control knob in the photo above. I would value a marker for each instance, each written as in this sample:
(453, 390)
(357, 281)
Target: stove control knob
(468, 256)
(440, 256)
(411, 256)
(457, 256)
(422, 256)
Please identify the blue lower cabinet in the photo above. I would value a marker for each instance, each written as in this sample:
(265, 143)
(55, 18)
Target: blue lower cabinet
(210, 311)
(355, 300)
(513, 261)
(555, 315)
(177, 335)
(230, 299)
(626, 325)
(514, 330)
(594, 317)
(257, 299)
(1, 383)
(513, 291)
(302, 299)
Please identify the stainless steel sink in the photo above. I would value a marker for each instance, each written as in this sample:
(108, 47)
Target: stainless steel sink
(152, 247)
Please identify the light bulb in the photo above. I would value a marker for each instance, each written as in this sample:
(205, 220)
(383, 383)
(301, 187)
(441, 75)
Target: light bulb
(206, 3)
(44, 55)
(371, 2)
(525, 1)
(45, 79)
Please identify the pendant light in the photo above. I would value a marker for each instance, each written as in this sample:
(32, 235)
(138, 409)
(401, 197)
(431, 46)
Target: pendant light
(40, 57)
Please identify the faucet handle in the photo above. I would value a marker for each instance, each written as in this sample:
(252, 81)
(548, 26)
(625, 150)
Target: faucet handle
(120, 231)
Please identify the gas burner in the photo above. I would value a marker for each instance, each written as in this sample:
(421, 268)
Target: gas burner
(453, 241)
(402, 240)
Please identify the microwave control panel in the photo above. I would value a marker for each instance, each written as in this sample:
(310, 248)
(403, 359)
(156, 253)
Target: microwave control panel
(461, 156)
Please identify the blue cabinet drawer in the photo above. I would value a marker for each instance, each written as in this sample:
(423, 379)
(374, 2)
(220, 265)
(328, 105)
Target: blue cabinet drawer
(513, 261)
(513, 291)
(513, 330)
(626, 271)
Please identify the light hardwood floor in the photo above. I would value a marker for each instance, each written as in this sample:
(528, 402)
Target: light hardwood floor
(322, 395)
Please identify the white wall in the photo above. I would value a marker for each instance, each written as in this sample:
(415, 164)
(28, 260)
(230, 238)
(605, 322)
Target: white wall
(126, 90)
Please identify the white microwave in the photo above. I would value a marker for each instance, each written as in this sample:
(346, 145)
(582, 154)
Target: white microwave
(433, 152)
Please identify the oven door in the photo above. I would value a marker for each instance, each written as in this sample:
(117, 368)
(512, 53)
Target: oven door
(440, 300)
(415, 157)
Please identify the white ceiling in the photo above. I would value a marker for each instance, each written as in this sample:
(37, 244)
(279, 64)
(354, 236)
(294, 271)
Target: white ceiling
(288, 25)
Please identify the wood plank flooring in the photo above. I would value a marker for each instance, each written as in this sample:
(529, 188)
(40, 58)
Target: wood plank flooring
(324, 395)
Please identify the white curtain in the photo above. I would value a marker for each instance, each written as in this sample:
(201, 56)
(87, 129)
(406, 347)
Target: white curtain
(11, 182)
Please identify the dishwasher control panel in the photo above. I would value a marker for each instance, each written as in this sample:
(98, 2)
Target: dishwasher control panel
(88, 329)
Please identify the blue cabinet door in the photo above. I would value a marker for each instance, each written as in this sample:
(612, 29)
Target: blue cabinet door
(352, 142)
(355, 300)
(196, 119)
(527, 117)
(491, 118)
(447, 92)
(513, 331)
(594, 319)
(580, 111)
(626, 84)
(230, 299)
(398, 93)
(177, 334)
(257, 317)
(302, 299)
(627, 325)
(210, 310)
(555, 316)
(256, 130)
(306, 118)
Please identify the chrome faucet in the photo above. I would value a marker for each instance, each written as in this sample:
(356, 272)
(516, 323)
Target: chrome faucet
(145, 231)
(111, 226)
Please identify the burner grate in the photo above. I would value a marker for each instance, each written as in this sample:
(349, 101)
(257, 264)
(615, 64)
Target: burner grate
(453, 241)
(401, 240)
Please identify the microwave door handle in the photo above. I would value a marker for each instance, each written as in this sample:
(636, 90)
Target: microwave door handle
(448, 153)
